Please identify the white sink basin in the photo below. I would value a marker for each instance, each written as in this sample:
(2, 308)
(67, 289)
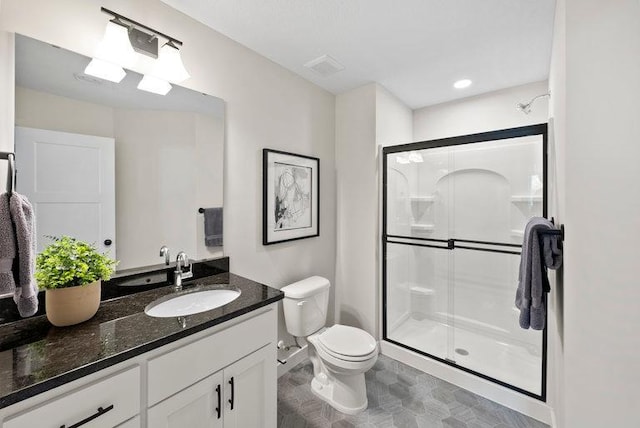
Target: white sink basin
(190, 303)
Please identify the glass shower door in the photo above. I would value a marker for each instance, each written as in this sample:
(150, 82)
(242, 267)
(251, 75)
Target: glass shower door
(418, 271)
(497, 186)
(455, 212)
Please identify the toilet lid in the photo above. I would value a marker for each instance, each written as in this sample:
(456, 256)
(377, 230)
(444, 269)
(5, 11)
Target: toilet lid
(348, 341)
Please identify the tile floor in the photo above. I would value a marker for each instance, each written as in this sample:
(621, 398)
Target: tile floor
(399, 396)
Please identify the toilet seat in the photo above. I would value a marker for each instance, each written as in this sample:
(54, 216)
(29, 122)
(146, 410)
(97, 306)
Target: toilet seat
(347, 343)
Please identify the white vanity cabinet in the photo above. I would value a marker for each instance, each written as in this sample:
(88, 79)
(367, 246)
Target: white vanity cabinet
(235, 367)
(240, 396)
(107, 402)
(178, 385)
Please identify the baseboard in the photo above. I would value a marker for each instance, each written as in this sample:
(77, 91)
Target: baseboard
(292, 360)
(494, 392)
(554, 421)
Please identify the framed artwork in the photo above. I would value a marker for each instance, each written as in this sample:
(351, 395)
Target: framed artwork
(290, 196)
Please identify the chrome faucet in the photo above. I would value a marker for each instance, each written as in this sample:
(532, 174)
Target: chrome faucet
(164, 251)
(182, 262)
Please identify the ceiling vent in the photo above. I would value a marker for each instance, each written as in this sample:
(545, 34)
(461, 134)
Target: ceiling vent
(325, 66)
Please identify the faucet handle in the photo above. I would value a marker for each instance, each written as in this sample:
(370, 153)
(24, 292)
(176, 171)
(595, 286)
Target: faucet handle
(182, 260)
(164, 251)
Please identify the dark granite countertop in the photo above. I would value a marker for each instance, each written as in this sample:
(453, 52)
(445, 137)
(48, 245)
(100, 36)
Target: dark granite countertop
(36, 356)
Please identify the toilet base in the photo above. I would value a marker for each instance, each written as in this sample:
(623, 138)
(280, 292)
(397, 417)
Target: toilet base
(347, 395)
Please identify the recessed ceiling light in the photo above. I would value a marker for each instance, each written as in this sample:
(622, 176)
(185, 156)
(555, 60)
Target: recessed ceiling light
(461, 84)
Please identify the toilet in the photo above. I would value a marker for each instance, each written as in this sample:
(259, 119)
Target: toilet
(340, 354)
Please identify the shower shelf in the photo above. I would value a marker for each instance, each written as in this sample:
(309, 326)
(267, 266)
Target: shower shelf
(525, 198)
(422, 227)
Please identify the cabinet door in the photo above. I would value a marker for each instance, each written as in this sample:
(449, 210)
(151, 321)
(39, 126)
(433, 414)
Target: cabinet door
(199, 406)
(250, 390)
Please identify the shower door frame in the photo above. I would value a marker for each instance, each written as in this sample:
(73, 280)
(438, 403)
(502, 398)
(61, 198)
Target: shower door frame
(503, 134)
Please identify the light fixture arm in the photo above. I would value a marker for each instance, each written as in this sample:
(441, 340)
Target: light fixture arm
(119, 17)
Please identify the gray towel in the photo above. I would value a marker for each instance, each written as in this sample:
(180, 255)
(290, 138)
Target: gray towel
(539, 252)
(7, 247)
(17, 252)
(213, 227)
(26, 295)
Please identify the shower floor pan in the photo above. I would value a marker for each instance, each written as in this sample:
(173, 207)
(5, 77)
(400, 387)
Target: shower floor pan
(508, 363)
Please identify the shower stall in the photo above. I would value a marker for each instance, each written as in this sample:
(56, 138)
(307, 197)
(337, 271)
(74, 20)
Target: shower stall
(454, 211)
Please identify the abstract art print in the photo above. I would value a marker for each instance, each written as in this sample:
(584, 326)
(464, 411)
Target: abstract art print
(290, 196)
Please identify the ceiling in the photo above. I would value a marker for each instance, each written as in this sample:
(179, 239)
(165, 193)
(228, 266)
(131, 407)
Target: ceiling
(414, 48)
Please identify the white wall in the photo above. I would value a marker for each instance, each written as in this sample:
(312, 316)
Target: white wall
(602, 177)
(267, 106)
(7, 72)
(366, 118)
(35, 109)
(357, 208)
(487, 112)
(557, 195)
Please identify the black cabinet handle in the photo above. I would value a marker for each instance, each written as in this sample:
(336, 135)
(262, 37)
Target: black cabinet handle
(108, 242)
(218, 409)
(101, 411)
(232, 388)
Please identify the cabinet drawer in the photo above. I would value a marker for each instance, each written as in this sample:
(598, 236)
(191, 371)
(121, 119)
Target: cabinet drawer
(180, 368)
(122, 391)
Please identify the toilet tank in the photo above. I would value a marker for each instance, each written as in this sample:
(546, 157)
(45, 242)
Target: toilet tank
(305, 305)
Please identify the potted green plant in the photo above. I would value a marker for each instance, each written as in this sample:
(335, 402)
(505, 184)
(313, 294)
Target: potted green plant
(71, 272)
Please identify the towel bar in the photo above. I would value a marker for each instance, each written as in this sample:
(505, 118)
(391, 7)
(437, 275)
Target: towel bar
(11, 171)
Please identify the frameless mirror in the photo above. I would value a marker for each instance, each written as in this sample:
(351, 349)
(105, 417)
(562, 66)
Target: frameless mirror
(111, 164)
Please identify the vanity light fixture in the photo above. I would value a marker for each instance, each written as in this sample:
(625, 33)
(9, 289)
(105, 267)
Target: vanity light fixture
(123, 38)
(113, 52)
(463, 83)
(153, 84)
(169, 65)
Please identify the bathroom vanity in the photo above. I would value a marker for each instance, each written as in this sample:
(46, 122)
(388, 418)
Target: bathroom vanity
(124, 368)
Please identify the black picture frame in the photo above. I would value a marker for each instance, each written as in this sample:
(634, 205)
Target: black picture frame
(290, 196)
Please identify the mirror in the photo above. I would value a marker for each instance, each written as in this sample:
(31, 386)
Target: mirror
(113, 165)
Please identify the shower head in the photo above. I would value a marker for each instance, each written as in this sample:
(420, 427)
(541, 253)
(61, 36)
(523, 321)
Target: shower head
(526, 107)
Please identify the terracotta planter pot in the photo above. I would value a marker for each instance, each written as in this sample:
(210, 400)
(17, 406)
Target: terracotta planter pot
(72, 305)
